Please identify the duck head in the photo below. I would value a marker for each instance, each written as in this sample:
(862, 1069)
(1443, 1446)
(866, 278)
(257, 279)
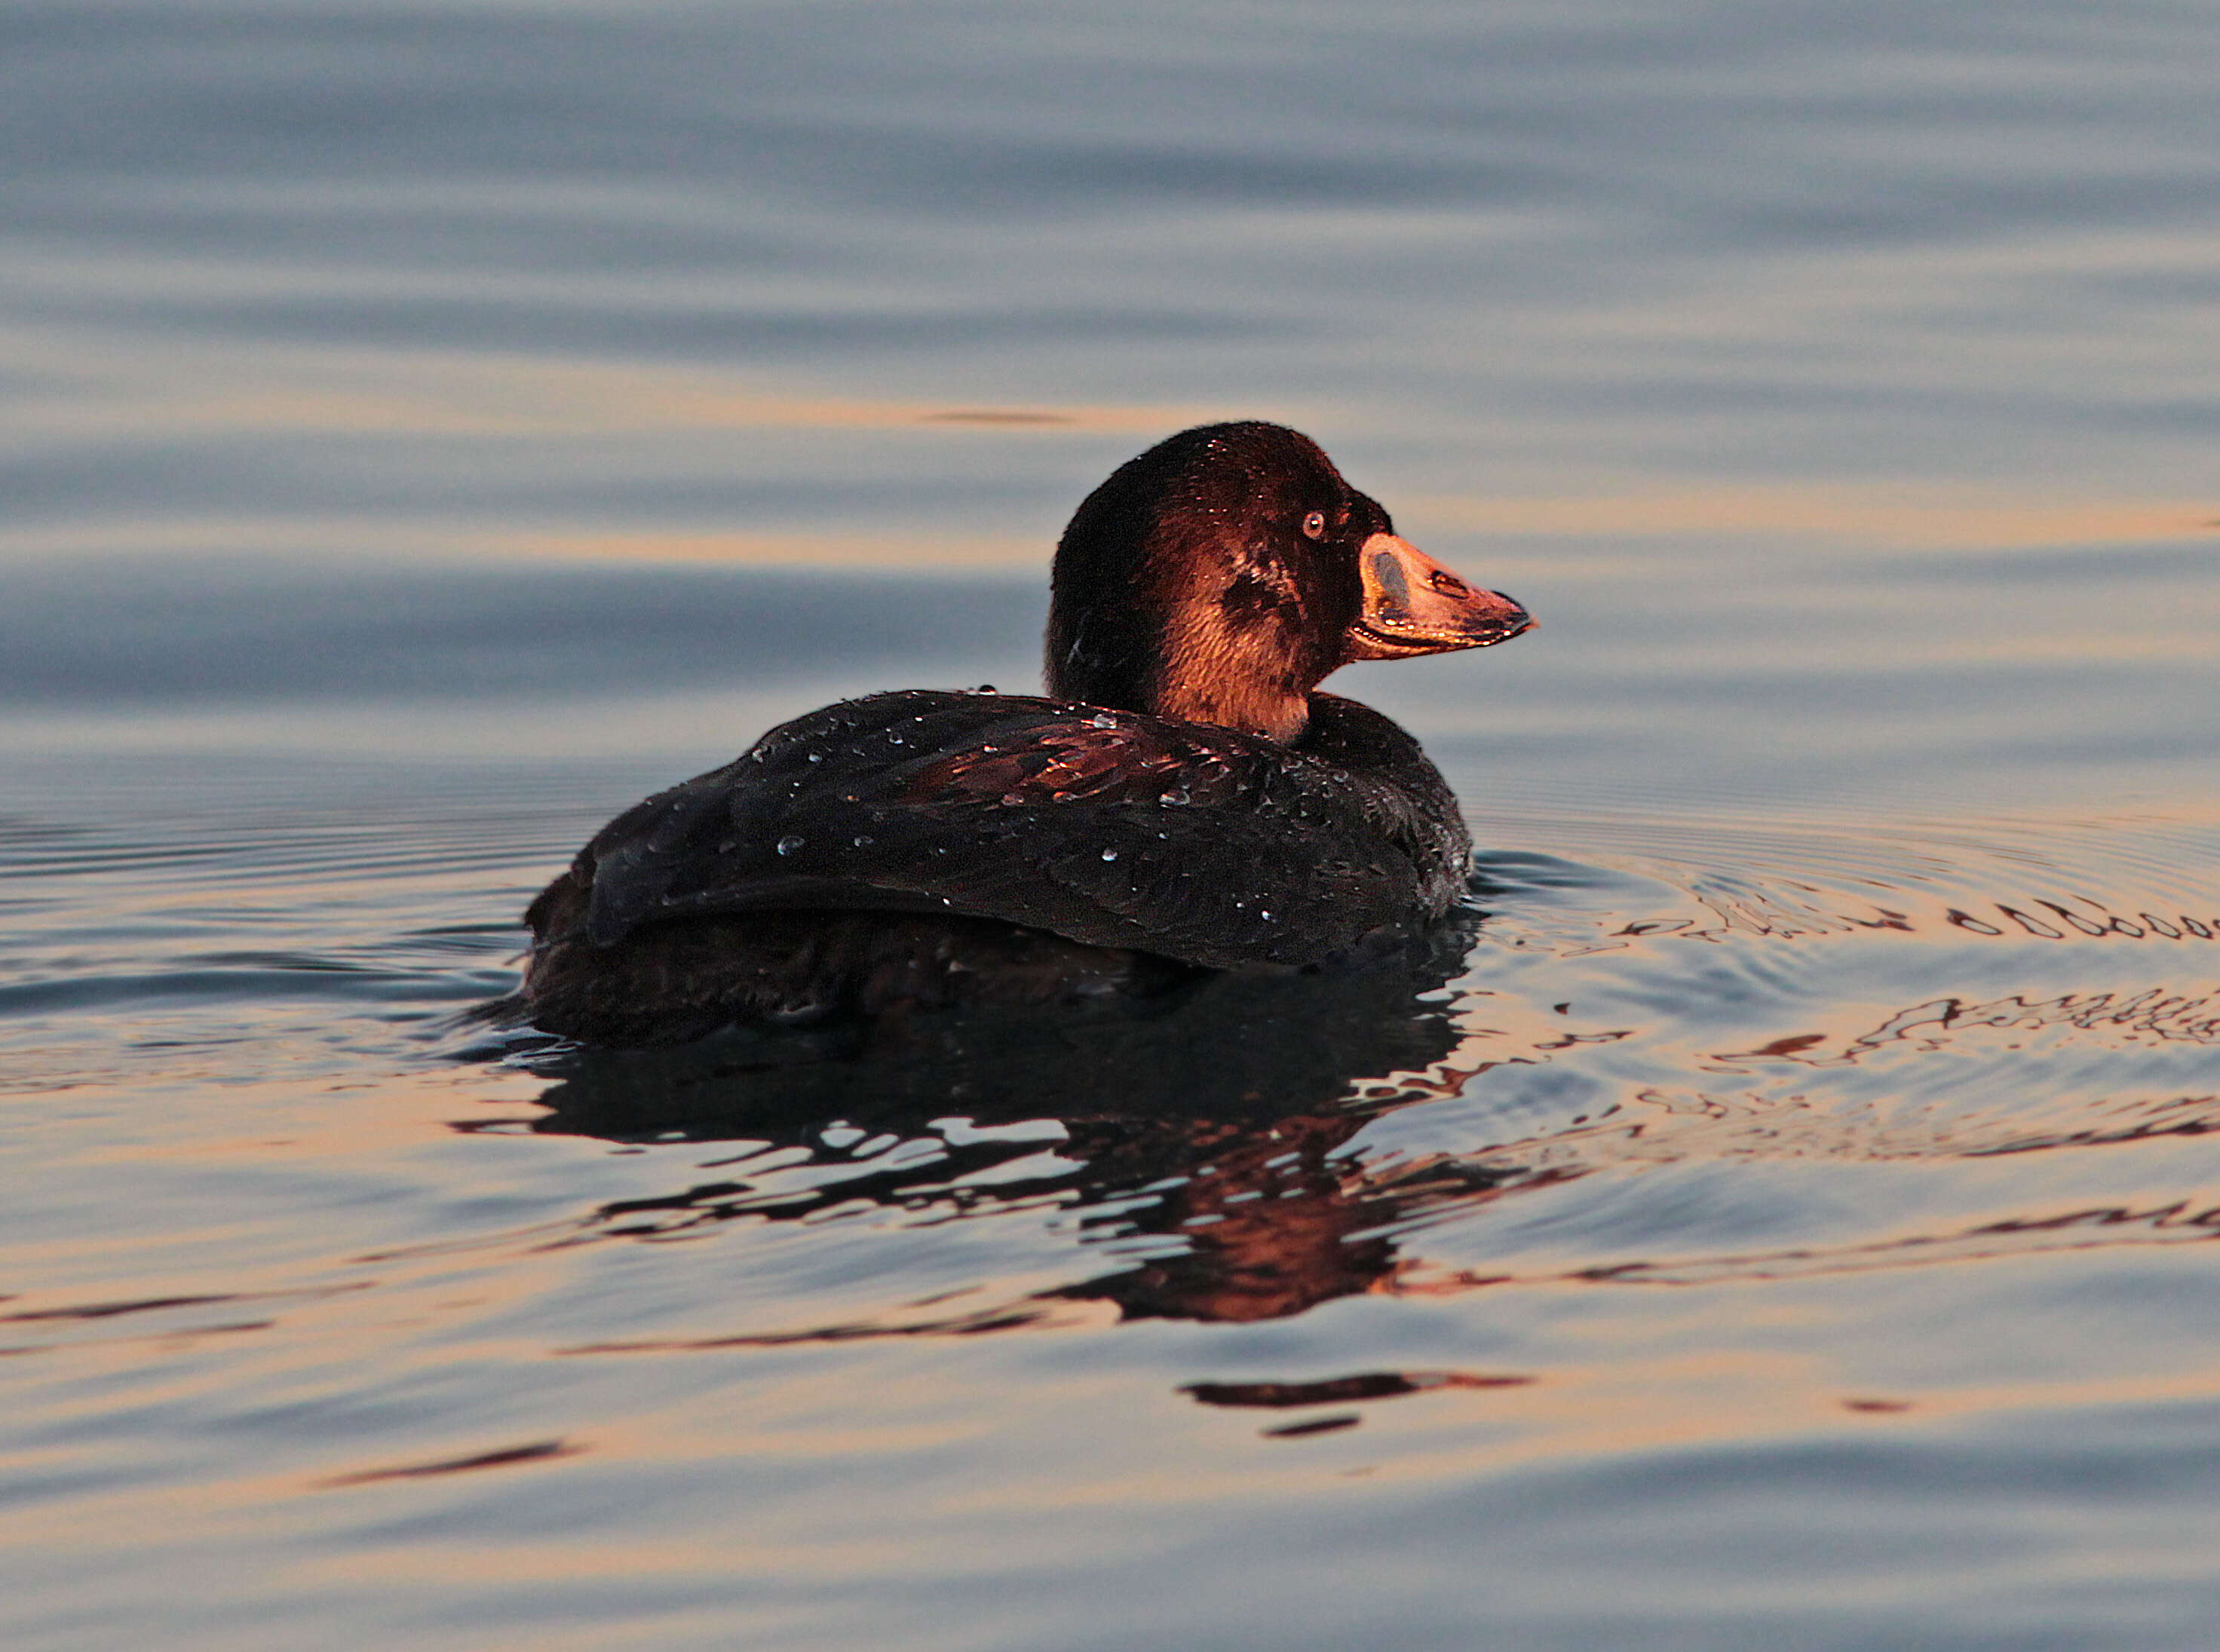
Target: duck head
(1222, 575)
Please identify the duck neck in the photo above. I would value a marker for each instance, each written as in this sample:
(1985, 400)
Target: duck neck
(1199, 683)
(1200, 666)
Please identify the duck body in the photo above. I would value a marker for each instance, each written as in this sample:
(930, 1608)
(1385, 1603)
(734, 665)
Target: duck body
(1185, 800)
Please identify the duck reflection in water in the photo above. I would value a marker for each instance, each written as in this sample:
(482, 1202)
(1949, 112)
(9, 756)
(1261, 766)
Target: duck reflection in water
(1216, 1116)
(1204, 1146)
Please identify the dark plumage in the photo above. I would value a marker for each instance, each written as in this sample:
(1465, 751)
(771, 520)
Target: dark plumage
(1184, 801)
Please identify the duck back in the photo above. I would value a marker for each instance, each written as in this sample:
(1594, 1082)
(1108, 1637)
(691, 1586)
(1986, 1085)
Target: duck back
(930, 846)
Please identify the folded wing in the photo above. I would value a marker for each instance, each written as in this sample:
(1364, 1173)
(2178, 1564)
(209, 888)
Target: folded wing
(1109, 828)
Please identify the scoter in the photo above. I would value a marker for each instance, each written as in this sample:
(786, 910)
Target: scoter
(1182, 800)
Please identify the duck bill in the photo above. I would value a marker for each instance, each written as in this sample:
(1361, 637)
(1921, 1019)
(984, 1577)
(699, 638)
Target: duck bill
(1413, 605)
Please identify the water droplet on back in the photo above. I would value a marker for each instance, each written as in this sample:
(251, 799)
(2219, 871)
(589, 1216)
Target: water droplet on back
(788, 844)
(1109, 854)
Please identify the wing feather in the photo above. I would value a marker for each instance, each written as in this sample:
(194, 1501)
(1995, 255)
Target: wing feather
(1109, 828)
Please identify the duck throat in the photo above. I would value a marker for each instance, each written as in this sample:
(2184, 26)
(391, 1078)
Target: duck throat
(1234, 670)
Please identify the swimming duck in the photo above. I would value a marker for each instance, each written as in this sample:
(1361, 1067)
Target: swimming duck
(1183, 799)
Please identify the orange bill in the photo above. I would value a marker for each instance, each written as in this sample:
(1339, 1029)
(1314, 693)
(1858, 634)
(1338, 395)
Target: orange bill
(1413, 605)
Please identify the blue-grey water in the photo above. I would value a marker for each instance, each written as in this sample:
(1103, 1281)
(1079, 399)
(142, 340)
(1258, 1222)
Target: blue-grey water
(427, 428)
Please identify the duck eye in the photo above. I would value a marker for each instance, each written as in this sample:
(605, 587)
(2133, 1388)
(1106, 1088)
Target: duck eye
(1314, 526)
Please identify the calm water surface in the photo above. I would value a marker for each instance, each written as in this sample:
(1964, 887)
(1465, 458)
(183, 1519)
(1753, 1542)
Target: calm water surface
(1780, 1218)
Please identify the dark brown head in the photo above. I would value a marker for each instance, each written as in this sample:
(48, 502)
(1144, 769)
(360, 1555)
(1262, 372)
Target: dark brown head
(1223, 574)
